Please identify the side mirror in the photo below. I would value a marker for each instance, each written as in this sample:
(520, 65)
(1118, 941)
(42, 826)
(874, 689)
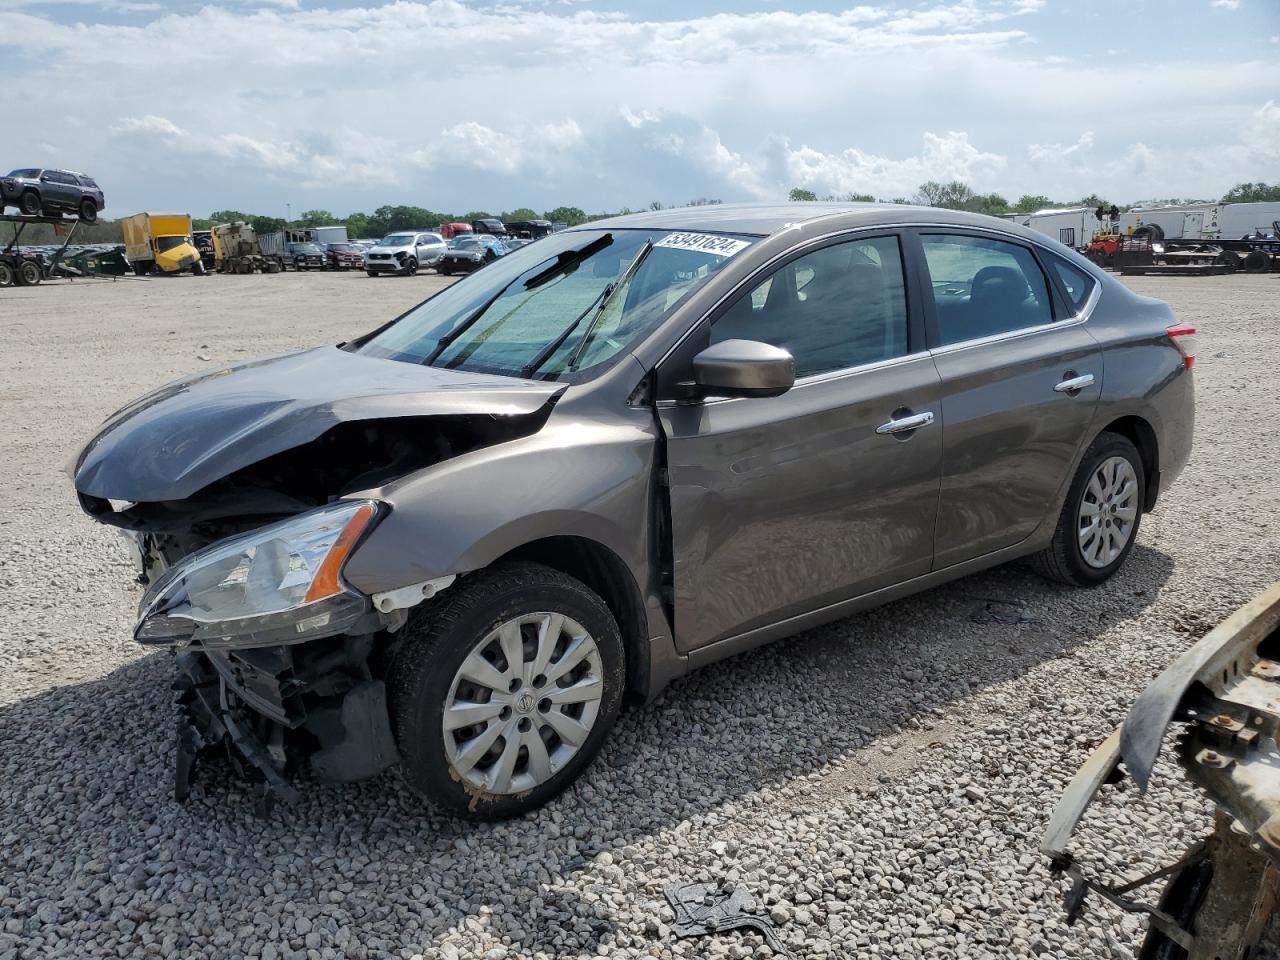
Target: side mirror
(744, 368)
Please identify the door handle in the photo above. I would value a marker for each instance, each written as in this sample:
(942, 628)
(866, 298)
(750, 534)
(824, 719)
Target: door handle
(1074, 384)
(904, 424)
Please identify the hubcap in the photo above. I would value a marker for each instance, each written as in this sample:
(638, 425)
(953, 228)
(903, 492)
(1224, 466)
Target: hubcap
(523, 703)
(1107, 512)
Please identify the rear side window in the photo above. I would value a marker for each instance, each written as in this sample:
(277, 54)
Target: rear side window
(983, 287)
(838, 307)
(1078, 283)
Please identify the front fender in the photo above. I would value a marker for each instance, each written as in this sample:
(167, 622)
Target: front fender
(586, 478)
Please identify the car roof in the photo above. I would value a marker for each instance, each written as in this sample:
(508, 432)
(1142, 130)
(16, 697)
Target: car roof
(766, 219)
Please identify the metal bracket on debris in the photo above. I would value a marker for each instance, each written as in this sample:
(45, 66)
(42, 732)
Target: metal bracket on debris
(703, 909)
(1082, 885)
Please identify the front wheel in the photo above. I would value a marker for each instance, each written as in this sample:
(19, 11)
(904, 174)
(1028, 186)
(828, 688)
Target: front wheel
(372, 273)
(1099, 521)
(505, 691)
(30, 203)
(410, 267)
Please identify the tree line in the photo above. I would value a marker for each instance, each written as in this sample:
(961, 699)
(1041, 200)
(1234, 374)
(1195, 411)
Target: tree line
(954, 195)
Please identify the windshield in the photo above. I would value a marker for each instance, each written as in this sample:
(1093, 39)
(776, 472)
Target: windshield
(26, 174)
(567, 303)
(467, 241)
(168, 243)
(343, 247)
(305, 248)
(396, 240)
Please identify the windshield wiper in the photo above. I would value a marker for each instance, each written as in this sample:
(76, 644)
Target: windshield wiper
(566, 263)
(598, 305)
(623, 281)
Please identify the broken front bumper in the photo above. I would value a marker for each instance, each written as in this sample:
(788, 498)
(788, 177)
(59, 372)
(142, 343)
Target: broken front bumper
(272, 708)
(1225, 690)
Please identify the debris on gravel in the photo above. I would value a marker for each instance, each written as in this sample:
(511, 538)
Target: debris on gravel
(878, 786)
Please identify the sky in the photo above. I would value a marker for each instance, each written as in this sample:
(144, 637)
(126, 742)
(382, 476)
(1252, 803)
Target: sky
(272, 106)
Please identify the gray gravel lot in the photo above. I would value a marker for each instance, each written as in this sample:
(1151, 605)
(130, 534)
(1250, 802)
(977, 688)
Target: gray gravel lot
(879, 785)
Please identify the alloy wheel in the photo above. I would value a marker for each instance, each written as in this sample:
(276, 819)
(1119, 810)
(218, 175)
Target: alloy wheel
(1108, 511)
(523, 703)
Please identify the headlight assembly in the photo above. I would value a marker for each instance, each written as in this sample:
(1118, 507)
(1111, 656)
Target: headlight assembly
(278, 584)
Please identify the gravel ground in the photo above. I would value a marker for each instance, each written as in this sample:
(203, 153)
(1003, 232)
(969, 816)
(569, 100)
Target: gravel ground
(879, 785)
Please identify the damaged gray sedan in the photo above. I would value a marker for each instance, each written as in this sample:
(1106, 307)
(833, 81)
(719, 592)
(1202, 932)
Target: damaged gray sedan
(456, 544)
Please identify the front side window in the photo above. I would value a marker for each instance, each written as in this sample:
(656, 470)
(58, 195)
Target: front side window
(557, 307)
(841, 306)
(395, 240)
(983, 287)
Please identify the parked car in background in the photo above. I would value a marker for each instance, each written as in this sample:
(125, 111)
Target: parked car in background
(451, 230)
(489, 225)
(470, 252)
(404, 253)
(308, 256)
(344, 256)
(35, 192)
(617, 454)
(528, 229)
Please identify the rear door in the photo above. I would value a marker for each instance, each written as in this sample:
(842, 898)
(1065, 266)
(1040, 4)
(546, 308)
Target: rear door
(1021, 377)
(785, 504)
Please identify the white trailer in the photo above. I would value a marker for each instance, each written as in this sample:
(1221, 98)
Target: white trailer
(1192, 221)
(1239, 220)
(1071, 226)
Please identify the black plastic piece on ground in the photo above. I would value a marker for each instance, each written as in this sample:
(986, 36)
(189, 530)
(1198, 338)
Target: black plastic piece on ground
(703, 909)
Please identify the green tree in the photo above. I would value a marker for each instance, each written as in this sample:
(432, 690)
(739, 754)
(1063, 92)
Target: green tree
(1028, 203)
(357, 225)
(991, 204)
(521, 213)
(797, 195)
(1252, 193)
(570, 215)
(477, 215)
(317, 218)
(954, 195)
(266, 224)
(228, 216)
(858, 198)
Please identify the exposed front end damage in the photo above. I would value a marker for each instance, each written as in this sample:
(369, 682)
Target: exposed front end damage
(1224, 694)
(242, 497)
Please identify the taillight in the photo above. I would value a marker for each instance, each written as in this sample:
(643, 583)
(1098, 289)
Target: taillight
(1184, 338)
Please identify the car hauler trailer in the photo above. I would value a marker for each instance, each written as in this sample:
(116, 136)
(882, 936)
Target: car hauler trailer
(160, 243)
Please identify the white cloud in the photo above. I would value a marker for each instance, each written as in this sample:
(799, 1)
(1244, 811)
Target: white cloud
(1225, 4)
(1040, 153)
(352, 107)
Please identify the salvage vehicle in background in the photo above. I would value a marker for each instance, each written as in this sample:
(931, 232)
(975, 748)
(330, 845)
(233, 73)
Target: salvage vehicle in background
(39, 192)
(343, 256)
(308, 256)
(160, 244)
(236, 249)
(450, 230)
(469, 253)
(632, 448)
(528, 229)
(1223, 695)
(403, 253)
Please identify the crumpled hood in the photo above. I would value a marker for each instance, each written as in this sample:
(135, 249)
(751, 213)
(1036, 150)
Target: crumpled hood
(178, 439)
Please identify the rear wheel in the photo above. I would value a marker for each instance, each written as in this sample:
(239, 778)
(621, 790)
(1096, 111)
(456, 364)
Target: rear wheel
(88, 211)
(29, 273)
(6, 275)
(505, 691)
(1099, 521)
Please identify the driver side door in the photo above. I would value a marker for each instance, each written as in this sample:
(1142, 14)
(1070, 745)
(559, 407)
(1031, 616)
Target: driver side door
(783, 505)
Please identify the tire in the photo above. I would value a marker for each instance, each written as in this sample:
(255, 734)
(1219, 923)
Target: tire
(29, 274)
(88, 211)
(29, 203)
(372, 273)
(198, 270)
(425, 677)
(1152, 231)
(1065, 559)
(7, 277)
(444, 271)
(411, 267)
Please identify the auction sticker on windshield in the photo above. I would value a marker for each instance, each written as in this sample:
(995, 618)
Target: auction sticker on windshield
(705, 242)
